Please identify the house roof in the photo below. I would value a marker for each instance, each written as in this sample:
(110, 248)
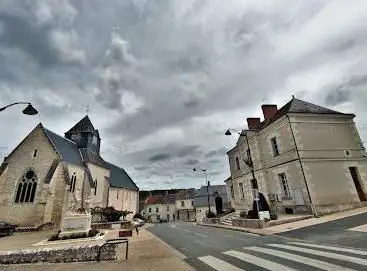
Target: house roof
(299, 106)
(170, 198)
(185, 194)
(119, 178)
(88, 155)
(67, 148)
(155, 199)
(83, 126)
(201, 196)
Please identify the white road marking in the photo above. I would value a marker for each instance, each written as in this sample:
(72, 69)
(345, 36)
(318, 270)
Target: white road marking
(342, 249)
(235, 237)
(258, 261)
(299, 259)
(322, 253)
(362, 228)
(218, 264)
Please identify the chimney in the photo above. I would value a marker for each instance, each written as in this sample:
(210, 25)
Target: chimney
(253, 123)
(269, 110)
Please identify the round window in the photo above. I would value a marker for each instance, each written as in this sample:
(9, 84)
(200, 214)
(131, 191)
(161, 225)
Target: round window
(29, 175)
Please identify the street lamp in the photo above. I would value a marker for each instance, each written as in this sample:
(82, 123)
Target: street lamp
(248, 162)
(29, 110)
(207, 185)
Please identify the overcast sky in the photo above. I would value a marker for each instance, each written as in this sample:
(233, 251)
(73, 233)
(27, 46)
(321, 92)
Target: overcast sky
(164, 79)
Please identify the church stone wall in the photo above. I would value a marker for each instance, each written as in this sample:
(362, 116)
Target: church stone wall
(26, 214)
(100, 174)
(123, 199)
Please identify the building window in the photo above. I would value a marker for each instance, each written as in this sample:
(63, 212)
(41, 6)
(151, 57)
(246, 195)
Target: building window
(238, 164)
(35, 153)
(117, 195)
(274, 145)
(26, 189)
(150, 210)
(284, 184)
(167, 208)
(158, 217)
(192, 203)
(95, 186)
(241, 190)
(156, 209)
(72, 182)
(232, 192)
(182, 203)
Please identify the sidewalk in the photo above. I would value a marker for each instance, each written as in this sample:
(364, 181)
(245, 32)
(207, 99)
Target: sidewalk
(293, 225)
(146, 252)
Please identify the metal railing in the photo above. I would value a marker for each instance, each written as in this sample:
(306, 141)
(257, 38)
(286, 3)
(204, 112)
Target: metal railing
(114, 241)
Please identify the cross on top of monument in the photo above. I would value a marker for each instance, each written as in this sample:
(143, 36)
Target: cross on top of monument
(87, 109)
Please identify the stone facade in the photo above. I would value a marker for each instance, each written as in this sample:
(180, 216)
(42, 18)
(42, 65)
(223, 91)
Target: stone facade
(315, 152)
(62, 175)
(19, 161)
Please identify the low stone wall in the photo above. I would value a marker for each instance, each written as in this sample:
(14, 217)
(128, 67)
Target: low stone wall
(80, 253)
(213, 221)
(43, 227)
(112, 225)
(249, 223)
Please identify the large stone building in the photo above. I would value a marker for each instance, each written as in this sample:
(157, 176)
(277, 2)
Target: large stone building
(46, 174)
(305, 158)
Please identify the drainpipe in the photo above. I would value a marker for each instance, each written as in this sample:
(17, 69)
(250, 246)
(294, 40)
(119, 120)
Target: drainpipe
(302, 169)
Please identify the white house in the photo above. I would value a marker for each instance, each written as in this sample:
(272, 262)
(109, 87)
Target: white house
(306, 158)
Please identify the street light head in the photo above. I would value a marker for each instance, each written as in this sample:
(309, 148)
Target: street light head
(30, 110)
(228, 133)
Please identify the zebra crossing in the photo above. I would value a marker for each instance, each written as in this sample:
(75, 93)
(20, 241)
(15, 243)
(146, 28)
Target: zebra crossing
(289, 256)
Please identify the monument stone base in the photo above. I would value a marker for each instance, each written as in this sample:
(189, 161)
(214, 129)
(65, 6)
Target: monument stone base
(75, 224)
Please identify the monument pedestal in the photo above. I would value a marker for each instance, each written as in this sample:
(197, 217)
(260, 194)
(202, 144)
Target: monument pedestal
(75, 224)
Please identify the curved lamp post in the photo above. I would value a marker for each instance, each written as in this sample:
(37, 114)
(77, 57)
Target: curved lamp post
(207, 184)
(29, 110)
(248, 162)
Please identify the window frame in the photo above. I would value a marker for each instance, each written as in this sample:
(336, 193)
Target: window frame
(240, 185)
(35, 153)
(232, 192)
(237, 161)
(286, 192)
(26, 188)
(182, 203)
(275, 146)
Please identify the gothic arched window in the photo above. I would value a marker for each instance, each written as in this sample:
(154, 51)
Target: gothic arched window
(26, 189)
(72, 183)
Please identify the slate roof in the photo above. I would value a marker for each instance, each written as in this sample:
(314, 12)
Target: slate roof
(170, 198)
(67, 148)
(83, 126)
(201, 196)
(119, 178)
(299, 106)
(91, 156)
(186, 193)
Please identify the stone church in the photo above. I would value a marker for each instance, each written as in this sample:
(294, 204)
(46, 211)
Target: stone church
(46, 174)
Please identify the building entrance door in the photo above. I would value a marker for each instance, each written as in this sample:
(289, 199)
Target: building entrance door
(357, 183)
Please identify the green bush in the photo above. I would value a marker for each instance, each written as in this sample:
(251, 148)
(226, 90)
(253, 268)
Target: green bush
(93, 232)
(210, 215)
(111, 214)
(243, 214)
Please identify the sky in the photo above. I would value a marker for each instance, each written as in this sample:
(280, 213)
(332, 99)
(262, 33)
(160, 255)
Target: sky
(165, 79)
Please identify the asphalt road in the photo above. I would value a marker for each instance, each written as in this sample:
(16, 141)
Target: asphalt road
(207, 248)
(335, 232)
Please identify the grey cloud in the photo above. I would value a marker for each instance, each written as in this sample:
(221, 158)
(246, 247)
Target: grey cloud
(337, 96)
(159, 157)
(192, 162)
(217, 152)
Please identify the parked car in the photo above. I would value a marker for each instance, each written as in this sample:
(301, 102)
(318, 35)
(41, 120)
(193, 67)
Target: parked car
(163, 220)
(7, 228)
(138, 222)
